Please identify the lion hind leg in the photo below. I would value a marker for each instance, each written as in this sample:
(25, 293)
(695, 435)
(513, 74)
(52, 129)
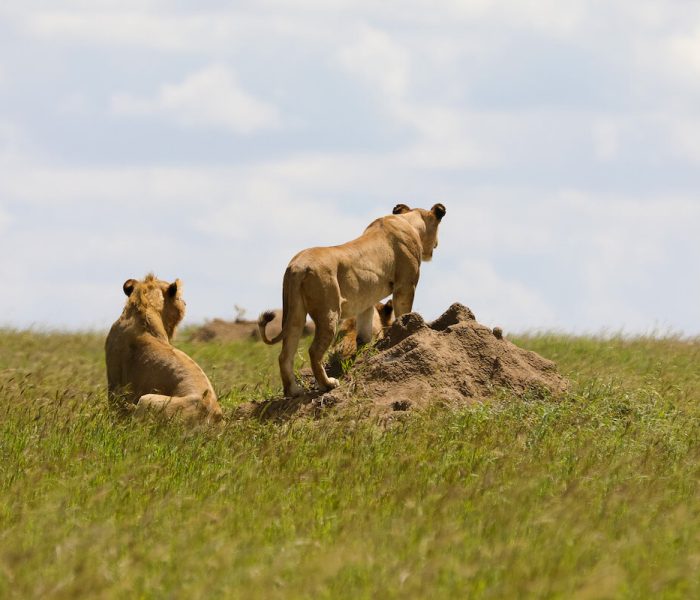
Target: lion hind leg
(169, 406)
(290, 343)
(325, 332)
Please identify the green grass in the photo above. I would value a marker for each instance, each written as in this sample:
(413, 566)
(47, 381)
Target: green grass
(592, 496)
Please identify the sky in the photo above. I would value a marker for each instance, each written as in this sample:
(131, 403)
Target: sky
(213, 140)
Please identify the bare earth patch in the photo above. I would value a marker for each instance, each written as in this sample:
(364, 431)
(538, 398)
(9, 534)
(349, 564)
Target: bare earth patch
(453, 360)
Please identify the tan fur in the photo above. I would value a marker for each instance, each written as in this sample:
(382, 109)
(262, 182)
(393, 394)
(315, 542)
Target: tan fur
(346, 344)
(144, 369)
(340, 282)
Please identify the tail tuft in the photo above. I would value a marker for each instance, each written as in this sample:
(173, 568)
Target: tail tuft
(263, 320)
(266, 317)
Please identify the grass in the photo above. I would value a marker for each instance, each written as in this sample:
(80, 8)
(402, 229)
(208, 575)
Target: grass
(592, 496)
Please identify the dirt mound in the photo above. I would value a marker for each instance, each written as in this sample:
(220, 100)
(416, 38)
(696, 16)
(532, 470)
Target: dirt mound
(453, 360)
(240, 329)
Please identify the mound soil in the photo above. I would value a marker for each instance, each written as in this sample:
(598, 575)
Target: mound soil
(452, 360)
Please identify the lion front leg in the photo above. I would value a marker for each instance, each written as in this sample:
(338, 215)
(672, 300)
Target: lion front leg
(403, 300)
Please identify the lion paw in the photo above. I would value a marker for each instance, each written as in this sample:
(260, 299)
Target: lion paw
(332, 383)
(294, 390)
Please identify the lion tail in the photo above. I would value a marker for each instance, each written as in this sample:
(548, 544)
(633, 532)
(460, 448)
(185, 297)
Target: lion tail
(291, 284)
(263, 320)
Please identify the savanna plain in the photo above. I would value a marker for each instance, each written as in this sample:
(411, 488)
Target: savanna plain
(591, 495)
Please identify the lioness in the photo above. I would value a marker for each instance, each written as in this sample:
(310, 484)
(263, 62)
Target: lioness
(144, 368)
(346, 281)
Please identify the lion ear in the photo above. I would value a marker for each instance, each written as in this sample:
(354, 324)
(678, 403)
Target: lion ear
(387, 309)
(400, 209)
(439, 211)
(129, 286)
(173, 287)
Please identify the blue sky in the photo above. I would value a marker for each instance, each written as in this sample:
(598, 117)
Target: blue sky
(211, 141)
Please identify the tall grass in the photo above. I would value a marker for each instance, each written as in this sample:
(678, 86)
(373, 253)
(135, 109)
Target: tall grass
(591, 496)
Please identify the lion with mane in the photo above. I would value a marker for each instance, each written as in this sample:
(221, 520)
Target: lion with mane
(144, 370)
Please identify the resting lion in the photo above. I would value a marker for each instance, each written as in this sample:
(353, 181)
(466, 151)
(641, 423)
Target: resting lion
(144, 368)
(346, 281)
(346, 344)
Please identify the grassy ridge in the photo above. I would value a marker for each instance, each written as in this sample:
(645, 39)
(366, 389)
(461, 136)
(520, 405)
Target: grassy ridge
(592, 496)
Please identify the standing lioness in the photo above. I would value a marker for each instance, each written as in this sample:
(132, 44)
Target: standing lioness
(144, 368)
(346, 281)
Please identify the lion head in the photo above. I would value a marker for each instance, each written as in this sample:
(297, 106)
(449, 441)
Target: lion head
(157, 302)
(429, 230)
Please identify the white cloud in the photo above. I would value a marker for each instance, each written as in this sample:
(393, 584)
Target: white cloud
(74, 103)
(160, 26)
(552, 17)
(423, 102)
(496, 299)
(14, 148)
(683, 136)
(572, 261)
(36, 185)
(124, 27)
(268, 224)
(157, 25)
(685, 53)
(444, 137)
(519, 258)
(312, 178)
(606, 139)
(447, 138)
(631, 261)
(376, 57)
(211, 97)
(4, 219)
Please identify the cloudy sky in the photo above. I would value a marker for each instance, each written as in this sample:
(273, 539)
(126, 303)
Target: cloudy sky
(212, 140)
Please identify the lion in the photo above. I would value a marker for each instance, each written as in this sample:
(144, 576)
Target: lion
(340, 282)
(346, 340)
(144, 370)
